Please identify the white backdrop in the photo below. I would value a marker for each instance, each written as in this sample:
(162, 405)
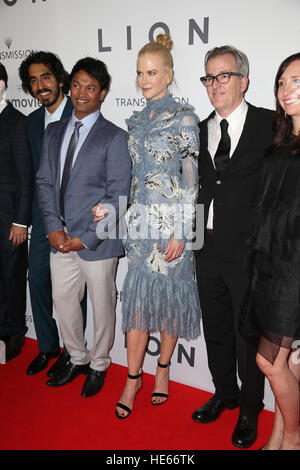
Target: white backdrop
(267, 31)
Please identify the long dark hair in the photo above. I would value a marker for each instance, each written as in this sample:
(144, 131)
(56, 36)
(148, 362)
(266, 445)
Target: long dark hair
(52, 61)
(283, 124)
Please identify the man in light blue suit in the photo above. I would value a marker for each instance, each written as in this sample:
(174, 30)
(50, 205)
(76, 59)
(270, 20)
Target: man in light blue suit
(84, 161)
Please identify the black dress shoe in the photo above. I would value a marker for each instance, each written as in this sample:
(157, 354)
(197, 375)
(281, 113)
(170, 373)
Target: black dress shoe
(245, 432)
(69, 373)
(59, 365)
(212, 410)
(13, 346)
(93, 383)
(40, 362)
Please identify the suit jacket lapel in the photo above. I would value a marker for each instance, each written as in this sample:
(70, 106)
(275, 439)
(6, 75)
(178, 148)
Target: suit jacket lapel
(67, 109)
(39, 122)
(6, 111)
(59, 139)
(86, 147)
(204, 140)
(248, 135)
(57, 144)
(39, 128)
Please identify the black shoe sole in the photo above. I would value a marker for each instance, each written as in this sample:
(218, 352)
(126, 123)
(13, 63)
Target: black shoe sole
(244, 446)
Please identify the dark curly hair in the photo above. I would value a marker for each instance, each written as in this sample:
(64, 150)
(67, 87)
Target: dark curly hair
(95, 68)
(52, 61)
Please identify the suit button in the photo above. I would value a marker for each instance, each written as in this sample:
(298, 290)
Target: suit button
(218, 182)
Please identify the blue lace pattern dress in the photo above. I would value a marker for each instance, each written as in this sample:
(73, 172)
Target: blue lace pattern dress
(164, 147)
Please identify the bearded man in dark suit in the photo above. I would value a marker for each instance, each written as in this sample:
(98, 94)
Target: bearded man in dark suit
(44, 77)
(233, 140)
(16, 188)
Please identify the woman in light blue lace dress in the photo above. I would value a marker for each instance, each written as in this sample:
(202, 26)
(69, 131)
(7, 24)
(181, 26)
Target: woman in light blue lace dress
(159, 292)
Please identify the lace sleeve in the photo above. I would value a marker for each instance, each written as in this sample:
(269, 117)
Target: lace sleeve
(188, 146)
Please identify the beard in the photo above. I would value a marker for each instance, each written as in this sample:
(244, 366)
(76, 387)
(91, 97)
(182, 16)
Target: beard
(48, 101)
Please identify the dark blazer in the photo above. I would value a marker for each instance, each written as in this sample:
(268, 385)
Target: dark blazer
(36, 130)
(234, 191)
(16, 176)
(101, 172)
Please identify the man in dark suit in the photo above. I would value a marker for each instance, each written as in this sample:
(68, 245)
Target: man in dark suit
(44, 77)
(16, 189)
(84, 161)
(233, 143)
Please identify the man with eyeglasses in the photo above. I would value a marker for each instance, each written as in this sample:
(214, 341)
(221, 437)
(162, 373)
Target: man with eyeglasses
(233, 143)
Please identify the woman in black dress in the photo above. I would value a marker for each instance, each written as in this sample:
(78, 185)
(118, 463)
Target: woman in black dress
(275, 254)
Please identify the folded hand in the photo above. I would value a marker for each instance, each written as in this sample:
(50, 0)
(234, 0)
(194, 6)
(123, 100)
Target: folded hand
(174, 249)
(58, 240)
(98, 212)
(74, 244)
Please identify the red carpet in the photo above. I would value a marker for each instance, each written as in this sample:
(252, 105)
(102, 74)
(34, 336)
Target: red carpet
(34, 416)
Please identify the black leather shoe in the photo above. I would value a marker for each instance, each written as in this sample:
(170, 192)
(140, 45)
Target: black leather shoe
(245, 432)
(59, 365)
(13, 346)
(69, 373)
(212, 410)
(41, 361)
(93, 383)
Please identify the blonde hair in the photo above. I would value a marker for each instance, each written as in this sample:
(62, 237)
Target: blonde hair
(162, 45)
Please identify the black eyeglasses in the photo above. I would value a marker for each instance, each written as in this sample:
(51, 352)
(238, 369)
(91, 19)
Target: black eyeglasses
(222, 78)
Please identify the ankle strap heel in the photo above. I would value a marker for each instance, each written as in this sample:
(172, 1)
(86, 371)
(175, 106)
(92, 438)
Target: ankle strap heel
(163, 366)
(160, 394)
(121, 405)
(134, 377)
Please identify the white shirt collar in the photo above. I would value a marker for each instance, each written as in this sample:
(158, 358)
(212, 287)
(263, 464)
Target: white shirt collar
(52, 117)
(87, 121)
(236, 116)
